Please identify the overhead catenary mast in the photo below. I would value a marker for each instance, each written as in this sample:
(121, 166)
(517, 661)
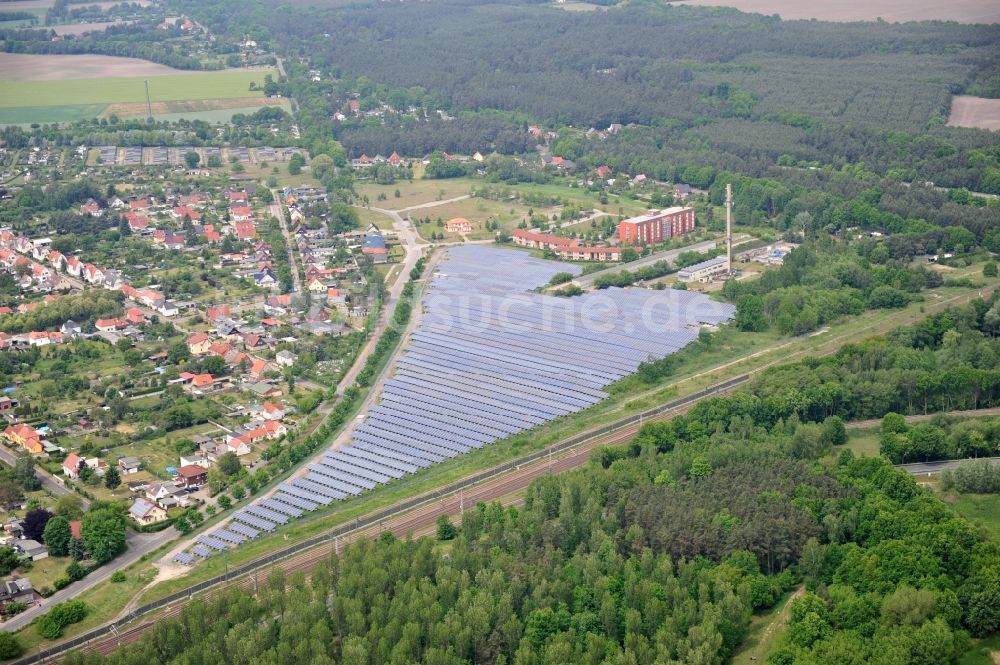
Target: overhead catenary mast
(729, 228)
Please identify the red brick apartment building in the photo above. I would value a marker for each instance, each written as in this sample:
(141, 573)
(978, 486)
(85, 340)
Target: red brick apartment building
(656, 226)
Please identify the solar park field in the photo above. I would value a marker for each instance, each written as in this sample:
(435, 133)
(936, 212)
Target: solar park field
(489, 359)
(63, 88)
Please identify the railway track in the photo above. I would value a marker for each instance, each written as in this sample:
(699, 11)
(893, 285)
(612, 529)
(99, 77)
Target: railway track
(500, 484)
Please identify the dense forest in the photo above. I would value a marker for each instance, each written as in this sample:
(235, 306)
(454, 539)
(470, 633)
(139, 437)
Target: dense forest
(657, 551)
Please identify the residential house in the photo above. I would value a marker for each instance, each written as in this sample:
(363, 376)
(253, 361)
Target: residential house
(135, 316)
(70, 328)
(18, 590)
(192, 476)
(146, 512)
(129, 465)
(272, 411)
(245, 230)
(266, 278)
(110, 325)
(458, 225)
(25, 436)
(285, 358)
(72, 466)
(199, 344)
(32, 549)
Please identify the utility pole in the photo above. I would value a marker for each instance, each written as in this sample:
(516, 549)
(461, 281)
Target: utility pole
(729, 228)
(149, 105)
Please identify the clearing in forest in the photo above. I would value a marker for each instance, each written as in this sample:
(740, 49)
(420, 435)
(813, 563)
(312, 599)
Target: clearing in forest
(975, 112)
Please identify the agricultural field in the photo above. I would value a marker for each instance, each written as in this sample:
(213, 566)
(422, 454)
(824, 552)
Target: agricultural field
(47, 88)
(893, 11)
(976, 112)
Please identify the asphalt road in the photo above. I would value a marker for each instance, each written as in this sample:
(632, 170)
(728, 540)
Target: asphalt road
(49, 481)
(923, 417)
(930, 468)
(138, 545)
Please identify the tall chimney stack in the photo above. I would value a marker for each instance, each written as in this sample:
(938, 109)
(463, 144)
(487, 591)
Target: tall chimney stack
(729, 228)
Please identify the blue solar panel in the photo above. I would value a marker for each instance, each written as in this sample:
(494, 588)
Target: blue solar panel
(357, 451)
(345, 488)
(279, 507)
(228, 536)
(184, 558)
(367, 464)
(336, 474)
(319, 488)
(202, 551)
(305, 495)
(243, 529)
(363, 469)
(254, 521)
(266, 514)
(292, 500)
(214, 543)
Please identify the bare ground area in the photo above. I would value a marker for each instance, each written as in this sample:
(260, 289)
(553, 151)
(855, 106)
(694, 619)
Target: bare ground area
(127, 110)
(28, 67)
(894, 11)
(975, 112)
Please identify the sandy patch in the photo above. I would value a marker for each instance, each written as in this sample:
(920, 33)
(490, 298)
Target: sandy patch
(138, 109)
(976, 112)
(894, 11)
(28, 67)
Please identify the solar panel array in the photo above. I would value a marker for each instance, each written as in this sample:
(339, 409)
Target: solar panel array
(133, 156)
(108, 154)
(491, 358)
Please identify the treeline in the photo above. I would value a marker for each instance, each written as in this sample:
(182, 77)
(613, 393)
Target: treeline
(133, 40)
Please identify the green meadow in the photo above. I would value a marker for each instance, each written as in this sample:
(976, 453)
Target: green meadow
(67, 93)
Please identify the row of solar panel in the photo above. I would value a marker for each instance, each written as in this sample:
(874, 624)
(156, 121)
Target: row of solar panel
(460, 386)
